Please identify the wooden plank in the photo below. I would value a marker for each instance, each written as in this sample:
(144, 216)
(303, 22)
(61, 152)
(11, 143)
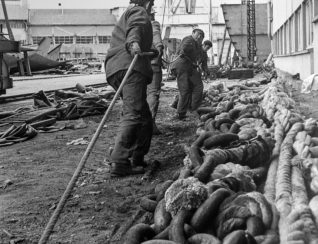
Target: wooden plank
(9, 46)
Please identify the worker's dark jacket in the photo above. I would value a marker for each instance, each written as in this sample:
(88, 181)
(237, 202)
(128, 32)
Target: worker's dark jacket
(133, 26)
(156, 44)
(203, 61)
(190, 52)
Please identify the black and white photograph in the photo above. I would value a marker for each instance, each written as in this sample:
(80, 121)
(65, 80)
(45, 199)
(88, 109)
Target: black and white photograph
(159, 122)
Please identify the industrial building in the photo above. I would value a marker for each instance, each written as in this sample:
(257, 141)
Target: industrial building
(87, 36)
(295, 36)
(84, 37)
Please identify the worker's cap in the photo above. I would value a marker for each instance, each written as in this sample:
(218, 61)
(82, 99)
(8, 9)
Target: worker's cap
(207, 43)
(201, 32)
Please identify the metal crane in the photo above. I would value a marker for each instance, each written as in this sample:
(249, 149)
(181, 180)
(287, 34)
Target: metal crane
(251, 29)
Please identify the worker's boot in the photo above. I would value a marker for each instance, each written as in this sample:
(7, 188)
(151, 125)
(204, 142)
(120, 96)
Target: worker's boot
(138, 161)
(122, 170)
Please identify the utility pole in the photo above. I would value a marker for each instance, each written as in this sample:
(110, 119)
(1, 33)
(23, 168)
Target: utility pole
(251, 29)
(5, 13)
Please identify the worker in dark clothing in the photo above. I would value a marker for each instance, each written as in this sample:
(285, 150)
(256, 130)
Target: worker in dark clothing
(131, 35)
(204, 58)
(188, 76)
(154, 88)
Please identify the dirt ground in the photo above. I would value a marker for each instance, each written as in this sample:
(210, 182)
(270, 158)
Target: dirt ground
(100, 209)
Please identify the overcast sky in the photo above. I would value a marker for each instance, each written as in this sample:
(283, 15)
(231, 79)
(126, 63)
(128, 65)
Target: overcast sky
(78, 3)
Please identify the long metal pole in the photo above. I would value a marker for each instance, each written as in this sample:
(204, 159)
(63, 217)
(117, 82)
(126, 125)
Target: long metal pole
(5, 13)
(50, 226)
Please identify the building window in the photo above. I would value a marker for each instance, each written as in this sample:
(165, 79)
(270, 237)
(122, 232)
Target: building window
(64, 39)
(298, 38)
(84, 39)
(292, 33)
(37, 39)
(316, 9)
(104, 39)
(285, 38)
(13, 24)
(275, 44)
(309, 24)
(282, 40)
(279, 39)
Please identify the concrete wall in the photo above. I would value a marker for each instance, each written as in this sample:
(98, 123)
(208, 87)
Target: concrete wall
(295, 64)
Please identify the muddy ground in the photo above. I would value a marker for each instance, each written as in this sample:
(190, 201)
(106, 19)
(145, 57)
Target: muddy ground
(100, 209)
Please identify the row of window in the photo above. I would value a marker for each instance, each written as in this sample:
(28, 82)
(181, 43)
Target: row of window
(297, 33)
(75, 39)
(13, 24)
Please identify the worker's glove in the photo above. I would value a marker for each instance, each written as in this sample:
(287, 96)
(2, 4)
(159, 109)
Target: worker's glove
(134, 48)
(155, 53)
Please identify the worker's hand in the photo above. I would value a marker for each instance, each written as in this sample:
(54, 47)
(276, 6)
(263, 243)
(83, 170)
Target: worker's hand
(155, 53)
(134, 48)
(160, 51)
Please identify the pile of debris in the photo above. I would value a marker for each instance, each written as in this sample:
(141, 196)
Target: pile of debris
(62, 105)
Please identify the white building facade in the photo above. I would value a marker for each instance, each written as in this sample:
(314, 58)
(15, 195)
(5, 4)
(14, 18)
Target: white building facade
(295, 36)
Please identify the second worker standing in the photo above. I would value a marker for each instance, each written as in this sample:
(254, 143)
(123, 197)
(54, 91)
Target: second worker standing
(186, 68)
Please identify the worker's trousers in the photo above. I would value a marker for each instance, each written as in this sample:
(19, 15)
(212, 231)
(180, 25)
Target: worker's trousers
(153, 93)
(135, 130)
(190, 90)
